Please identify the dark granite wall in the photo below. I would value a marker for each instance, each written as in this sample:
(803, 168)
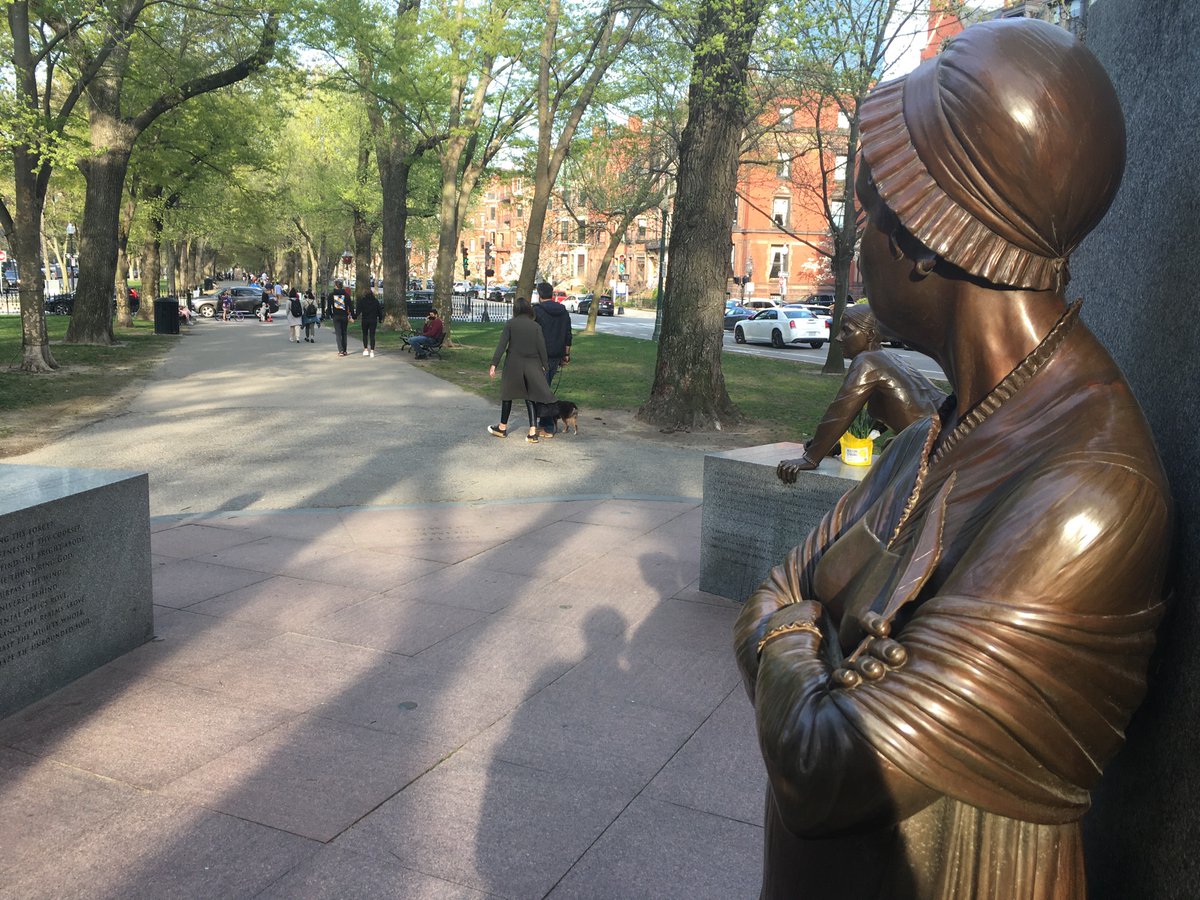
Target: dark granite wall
(1137, 274)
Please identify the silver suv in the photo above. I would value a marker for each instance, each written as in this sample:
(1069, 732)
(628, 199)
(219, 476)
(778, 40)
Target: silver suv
(247, 298)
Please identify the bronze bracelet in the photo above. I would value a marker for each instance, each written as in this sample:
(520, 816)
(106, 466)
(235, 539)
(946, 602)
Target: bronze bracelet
(790, 628)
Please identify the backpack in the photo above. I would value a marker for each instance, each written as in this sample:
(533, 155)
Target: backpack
(311, 310)
(296, 309)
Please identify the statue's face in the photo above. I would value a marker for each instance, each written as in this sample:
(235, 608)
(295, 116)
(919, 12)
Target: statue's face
(904, 303)
(854, 339)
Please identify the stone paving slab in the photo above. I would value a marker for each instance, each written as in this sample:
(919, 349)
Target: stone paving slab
(546, 705)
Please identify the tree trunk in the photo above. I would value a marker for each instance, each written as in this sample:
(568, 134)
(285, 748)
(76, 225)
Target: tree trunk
(362, 230)
(25, 243)
(151, 269)
(104, 173)
(124, 317)
(393, 179)
(443, 281)
(534, 231)
(844, 243)
(689, 386)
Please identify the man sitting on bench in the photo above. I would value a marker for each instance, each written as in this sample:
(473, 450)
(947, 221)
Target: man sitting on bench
(430, 335)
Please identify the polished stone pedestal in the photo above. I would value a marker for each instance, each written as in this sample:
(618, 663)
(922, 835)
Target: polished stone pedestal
(75, 587)
(752, 519)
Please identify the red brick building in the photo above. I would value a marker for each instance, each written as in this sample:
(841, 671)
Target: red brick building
(780, 224)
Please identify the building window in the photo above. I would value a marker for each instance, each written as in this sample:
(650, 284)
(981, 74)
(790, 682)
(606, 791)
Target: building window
(785, 165)
(564, 230)
(839, 169)
(500, 239)
(781, 209)
(581, 233)
(837, 209)
(564, 262)
(492, 213)
(786, 117)
(580, 264)
(779, 261)
(641, 230)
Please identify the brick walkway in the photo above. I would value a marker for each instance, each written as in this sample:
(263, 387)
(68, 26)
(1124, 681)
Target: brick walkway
(510, 699)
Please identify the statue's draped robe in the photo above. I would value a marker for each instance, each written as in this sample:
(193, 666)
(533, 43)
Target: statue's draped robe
(965, 771)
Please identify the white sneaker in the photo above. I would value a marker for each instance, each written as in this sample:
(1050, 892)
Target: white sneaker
(372, 354)
(366, 352)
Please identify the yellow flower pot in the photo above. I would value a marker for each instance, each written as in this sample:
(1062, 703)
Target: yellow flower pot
(856, 451)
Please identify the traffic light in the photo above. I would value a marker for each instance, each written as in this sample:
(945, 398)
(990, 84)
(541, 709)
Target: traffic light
(466, 264)
(621, 265)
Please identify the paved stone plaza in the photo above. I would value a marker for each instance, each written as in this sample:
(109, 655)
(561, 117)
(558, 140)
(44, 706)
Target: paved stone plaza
(507, 697)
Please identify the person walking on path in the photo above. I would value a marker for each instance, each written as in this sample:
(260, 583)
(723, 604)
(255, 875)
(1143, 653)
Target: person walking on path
(524, 376)
(370, 310)
(312, 317)
(340, 310)
(295, 316)
(430, 334)
(555, 323)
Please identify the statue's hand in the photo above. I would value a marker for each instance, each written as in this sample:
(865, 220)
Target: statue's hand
(789, 468)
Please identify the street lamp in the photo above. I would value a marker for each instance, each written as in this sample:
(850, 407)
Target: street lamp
(662, 258)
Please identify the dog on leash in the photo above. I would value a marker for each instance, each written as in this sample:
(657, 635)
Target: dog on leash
(566, 412)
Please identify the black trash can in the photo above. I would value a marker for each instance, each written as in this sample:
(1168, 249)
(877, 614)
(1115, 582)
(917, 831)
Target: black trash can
(166, 315)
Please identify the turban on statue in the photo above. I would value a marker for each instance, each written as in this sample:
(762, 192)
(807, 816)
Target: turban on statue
(1002, 153)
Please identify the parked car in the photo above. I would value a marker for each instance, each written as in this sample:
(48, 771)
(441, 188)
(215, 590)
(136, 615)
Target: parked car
(825, 315)
(573, 300)
(762, 304)
(60, 304)
(823, 300)
(559, 296)
(603, 308)
(781, 327)
(247, 298)
(735, 314)
(418, 304)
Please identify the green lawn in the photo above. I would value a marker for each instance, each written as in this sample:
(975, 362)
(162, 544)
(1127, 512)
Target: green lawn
(613, 372)
(87, 374)
(607, 372)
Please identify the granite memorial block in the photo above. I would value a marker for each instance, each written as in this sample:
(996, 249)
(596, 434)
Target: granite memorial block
(751, 519)
(75, 587)
(1137, 276)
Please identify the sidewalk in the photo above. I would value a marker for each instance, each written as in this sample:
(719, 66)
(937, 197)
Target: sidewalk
(516, 698)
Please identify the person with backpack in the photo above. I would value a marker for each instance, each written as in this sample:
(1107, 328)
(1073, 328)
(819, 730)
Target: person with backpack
(370, 310)
(295, 315)
(555, 323)
(312, 317)
(340, 309)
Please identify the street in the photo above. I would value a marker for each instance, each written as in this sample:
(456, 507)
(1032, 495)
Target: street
(639, 323)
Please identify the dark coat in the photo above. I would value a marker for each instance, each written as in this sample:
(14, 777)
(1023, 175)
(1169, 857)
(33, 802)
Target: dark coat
(369, 308)
(524, 375)
(556, 327)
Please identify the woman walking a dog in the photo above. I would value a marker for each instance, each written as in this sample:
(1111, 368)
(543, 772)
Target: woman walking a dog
(524, 375)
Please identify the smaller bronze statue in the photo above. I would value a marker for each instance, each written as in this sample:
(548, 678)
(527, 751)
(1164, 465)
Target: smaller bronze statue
(893, 392)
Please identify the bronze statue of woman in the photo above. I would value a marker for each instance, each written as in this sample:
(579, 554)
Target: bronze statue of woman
(942, 669)
(893, 392)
